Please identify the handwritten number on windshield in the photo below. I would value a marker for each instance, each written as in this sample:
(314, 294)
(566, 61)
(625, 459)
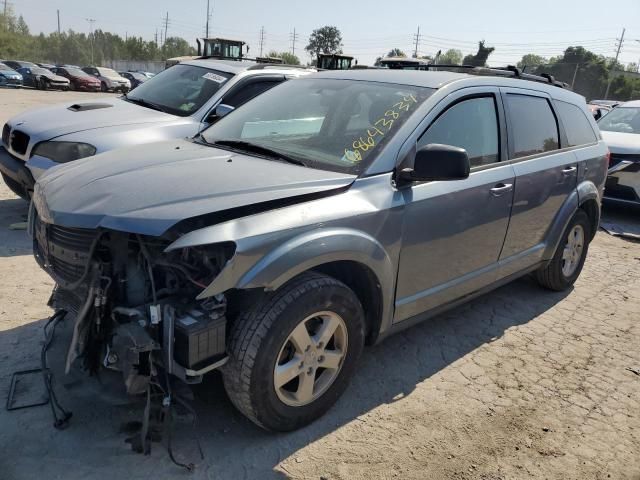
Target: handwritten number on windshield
(377, 131)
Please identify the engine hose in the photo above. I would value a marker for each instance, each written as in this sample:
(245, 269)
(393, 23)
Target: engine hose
(59, 422)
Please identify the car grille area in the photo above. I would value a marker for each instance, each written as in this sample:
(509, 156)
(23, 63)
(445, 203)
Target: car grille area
(64, 252)
(19, 142)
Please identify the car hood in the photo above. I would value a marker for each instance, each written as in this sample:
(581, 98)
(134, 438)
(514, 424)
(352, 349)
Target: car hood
(57, 78)
(8, 74)
(66, 118)
(619, 142)
(149, 188)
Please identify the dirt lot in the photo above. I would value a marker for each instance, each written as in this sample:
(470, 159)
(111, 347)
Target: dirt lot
(521, 383)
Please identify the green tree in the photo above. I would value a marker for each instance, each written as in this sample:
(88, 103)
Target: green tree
(396, 52)
(451, 57)
(590, 70)
(531, 61)
(287, 57)
(480, 58)
(327, 39)
(632, 67)
(177, 47)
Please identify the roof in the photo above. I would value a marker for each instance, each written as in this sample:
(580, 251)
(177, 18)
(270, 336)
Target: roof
(237, 66)
(632, 103)
(438, 79)
(406, 77)
(229, 66)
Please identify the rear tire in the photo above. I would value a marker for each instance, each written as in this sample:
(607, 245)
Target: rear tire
(567, 262)
(261, 336)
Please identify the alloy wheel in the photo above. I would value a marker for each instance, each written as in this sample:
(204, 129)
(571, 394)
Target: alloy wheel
(310, 358)
(572, 250)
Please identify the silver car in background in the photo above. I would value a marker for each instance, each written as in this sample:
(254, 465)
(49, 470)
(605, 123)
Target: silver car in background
(110, 80)
(177, 103)
(621, 130)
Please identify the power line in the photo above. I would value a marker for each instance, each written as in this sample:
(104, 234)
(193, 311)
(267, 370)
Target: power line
(261, 39)
(294, 39)
(166, 27)
(615, 63)
(417, 39)
(208, 18)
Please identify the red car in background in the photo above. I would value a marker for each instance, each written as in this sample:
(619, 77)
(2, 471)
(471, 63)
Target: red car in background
(79, 79)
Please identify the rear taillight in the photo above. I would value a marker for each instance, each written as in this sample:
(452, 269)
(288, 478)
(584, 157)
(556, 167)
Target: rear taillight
(608, 157)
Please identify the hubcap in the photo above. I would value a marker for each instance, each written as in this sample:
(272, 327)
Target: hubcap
(310, 359)
(572, 251)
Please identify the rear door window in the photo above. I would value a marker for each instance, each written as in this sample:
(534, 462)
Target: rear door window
(244, 93)
(471, 124)
(576, 125)
(533, 126)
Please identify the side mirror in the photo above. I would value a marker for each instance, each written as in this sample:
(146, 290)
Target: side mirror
(438, 162)
(220, 111)
(223, 109)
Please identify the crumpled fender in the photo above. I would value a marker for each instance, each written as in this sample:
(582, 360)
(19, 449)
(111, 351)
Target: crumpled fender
(262, 262)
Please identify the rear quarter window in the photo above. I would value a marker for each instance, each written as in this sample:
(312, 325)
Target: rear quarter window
(576, 125)
(533, 126)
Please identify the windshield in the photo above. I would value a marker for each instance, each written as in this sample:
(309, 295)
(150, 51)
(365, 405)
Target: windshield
(621, 119)
(337, 125)
(181, 89)
(4, 67)
(107, 72)
(76, 72)
(40, 71)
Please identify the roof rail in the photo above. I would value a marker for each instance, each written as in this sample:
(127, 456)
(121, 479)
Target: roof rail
(262, 66)
(508, 71)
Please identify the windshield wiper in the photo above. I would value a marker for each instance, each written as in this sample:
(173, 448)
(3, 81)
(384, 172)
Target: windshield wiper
(145, 103)
(245, 146)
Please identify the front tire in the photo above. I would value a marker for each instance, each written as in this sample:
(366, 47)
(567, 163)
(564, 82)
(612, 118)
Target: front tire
(292, 355)
(103, 87)
(565, 267)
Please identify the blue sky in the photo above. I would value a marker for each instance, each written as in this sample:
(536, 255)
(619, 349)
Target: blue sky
(369, 28)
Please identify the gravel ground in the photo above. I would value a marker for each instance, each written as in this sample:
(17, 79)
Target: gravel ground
(518, 384)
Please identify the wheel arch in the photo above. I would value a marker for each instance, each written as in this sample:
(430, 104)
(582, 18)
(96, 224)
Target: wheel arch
(589, 201)
(365, 284)
(351, 256)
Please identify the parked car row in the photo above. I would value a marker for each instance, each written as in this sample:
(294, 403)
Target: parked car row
(271, 220)
(16, 73)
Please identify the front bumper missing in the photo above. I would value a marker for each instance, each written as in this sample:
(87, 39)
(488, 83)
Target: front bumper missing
(16, 170)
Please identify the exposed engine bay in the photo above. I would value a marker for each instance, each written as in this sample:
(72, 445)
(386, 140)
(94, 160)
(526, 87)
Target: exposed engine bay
(132, 306)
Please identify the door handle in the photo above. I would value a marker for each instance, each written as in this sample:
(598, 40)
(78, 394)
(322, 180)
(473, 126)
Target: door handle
(501, 189)
(569, 170)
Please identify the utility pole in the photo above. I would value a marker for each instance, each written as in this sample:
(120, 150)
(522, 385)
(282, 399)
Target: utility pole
(58, 22)
(156, 38)
(166, 27)
(294, 39)
(208, 16)
(91, 22)
(261, 39)
(575, 74)
(417, 38)
(615, 63)
(5, 9)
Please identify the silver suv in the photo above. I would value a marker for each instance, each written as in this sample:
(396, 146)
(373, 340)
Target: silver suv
(321, 216)
(176, 103)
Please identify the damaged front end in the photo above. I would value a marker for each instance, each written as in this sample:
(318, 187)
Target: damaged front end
(131, 307)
